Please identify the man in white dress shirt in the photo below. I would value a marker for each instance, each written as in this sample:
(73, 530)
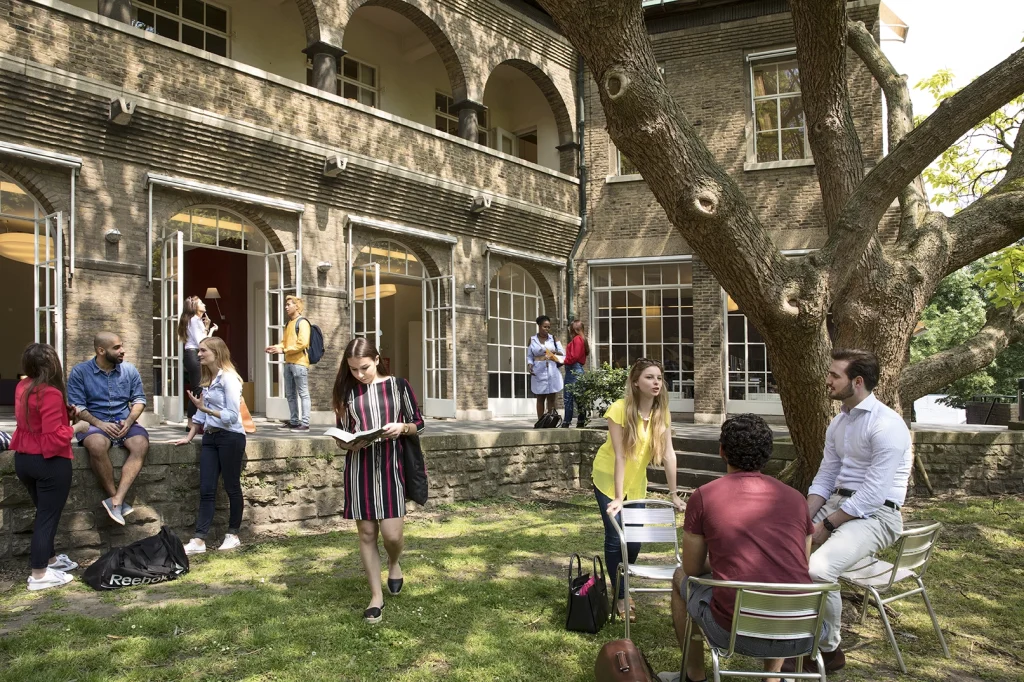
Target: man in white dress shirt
(856, 496)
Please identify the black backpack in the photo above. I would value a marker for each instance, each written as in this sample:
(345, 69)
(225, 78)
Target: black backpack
(151, 560)
(316, 341)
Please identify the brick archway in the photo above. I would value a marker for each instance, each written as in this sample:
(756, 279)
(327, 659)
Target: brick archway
(563, 120)
(432, 30)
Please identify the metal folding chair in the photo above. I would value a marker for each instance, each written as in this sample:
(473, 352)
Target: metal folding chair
(655, 522)
(773, 611)
(877, 577)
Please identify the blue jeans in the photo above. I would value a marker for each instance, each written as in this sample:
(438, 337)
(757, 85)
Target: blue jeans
(612, 546)
(221, 457)
(296, 381)
(572, 373)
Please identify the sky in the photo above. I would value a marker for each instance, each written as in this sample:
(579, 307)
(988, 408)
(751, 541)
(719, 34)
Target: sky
(944, 34)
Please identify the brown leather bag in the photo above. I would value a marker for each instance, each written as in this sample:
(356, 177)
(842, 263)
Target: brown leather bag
(621, 661)
(247, 423)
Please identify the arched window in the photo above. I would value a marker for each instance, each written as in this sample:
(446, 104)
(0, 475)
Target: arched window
(217, 227)
(393, 258)
(515, 304)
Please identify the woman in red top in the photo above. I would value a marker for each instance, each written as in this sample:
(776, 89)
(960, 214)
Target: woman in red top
(576, 352)
(42, 459)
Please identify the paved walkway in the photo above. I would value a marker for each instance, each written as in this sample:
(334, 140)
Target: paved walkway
(265, 429)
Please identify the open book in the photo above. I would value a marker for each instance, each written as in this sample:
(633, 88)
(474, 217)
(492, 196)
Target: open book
(346, 437)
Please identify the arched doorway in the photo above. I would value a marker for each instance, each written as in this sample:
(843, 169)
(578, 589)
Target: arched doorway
(515, 304)
(216, 254)
(386, 306)
(31, 259)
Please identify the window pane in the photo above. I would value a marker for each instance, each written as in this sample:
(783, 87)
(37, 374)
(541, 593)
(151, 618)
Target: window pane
(686, 273)
(765, 80)
(168, 5)
(626, 166)
(216, 45)
(792, 144)
(735, 329)
(652, 274)
(634, 275)
(481, 136)
(670, 274)
(168, 28)
(191, 35)
(368, 75)
(789, 77)
(767, 115)
(350, 91)
(204, 226)
(368, 97)
(440, 103)
(792, 112)
(146, 17)
(350, 68)
(217, 19)
(440, 122)
(192, 10)
(767, 147)
(618, 276)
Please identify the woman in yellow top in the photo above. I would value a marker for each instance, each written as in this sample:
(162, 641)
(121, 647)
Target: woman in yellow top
(639, 432)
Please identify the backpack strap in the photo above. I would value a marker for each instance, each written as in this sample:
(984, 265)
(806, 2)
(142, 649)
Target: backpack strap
(297, 320)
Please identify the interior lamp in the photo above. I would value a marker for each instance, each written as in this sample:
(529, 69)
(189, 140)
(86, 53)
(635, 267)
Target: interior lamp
(371, 292)
(21, 247)
(213, 295)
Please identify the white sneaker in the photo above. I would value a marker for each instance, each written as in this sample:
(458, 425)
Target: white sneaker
(63, 563)
(52, 578)
(195, 546)
(230, 542)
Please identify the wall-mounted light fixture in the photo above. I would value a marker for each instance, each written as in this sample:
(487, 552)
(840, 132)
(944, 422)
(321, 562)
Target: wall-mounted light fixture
(469, 288)
(334, 165)
(324, 266)
(113, 235)
(481, 203)
(121, 111)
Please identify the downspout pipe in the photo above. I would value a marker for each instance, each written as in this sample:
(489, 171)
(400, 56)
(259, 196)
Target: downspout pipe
(581, 173)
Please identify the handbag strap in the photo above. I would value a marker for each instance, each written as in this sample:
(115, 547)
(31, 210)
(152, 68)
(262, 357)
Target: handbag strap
(598, 561)
(579, 566)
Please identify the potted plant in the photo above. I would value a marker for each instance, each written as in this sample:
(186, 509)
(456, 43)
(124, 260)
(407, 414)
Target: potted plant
(596, 389)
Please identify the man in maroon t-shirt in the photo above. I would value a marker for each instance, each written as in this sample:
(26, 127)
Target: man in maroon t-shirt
(744, 526)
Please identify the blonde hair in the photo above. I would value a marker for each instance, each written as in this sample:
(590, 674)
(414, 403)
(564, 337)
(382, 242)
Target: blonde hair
(216, 345)
(658, 418)
(298, 303)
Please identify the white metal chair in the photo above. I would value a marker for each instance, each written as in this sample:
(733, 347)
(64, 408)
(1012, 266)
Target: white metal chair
(876, 577)
(655, 522)
(774, 611)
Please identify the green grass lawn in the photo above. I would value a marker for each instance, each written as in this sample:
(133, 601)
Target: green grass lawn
(484, 600)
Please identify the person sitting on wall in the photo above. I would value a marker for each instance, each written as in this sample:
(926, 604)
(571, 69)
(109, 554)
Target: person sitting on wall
(746, 527)
(108, 394)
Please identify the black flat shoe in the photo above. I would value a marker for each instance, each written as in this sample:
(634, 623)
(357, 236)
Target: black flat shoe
(374, 614)
(395, 586)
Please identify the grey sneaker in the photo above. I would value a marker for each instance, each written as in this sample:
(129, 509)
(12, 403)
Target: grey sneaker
(126, 509)
(112, 511)
(63, 563)
(287, 427)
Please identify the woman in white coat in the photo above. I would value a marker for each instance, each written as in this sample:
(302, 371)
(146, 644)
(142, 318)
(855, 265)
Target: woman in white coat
(543, 357)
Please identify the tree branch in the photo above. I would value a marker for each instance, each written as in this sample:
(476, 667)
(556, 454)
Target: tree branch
(954, 117)
(1003, 326)
(821, 33)
(699, 197)
(913, 201)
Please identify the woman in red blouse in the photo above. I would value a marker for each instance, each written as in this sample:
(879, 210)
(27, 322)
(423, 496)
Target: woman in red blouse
(576, 352)
(42, 459)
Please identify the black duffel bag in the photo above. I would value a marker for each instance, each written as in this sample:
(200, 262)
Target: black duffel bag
(151, 560)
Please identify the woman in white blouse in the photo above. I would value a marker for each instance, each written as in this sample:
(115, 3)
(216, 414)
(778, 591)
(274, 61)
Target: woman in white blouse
(193, 327)
(219, 411)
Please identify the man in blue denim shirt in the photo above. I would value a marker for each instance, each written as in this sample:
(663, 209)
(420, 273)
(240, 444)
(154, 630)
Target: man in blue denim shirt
(108, 394)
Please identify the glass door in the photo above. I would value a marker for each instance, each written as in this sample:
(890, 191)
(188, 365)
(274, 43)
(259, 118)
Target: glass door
(279, 274)
(366, 303)
(439, 346)
(48, 280)
(168, 395)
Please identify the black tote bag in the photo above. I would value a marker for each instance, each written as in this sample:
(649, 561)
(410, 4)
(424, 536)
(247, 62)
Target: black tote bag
(152, 560)
(414, 468)
(588, 598)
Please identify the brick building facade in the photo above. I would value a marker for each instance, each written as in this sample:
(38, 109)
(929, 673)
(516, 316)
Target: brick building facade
(409, 166)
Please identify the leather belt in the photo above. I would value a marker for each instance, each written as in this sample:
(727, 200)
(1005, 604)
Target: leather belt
(846, 492)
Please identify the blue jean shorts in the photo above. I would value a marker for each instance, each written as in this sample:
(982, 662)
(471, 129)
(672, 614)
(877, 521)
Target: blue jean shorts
(699, 608)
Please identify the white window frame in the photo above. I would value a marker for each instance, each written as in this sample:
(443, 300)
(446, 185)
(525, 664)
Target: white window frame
(602, 337)
(342, 79)
(615, 167)
(226, 35)
(752, 163)
(511, 405)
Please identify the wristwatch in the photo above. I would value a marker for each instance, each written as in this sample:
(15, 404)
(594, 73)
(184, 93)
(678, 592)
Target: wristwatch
(828, 525)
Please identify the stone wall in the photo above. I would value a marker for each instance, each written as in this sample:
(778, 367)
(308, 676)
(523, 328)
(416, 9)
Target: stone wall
(291, 484)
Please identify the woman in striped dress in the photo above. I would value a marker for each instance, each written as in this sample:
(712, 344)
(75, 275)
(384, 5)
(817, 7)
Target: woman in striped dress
(366, 398)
